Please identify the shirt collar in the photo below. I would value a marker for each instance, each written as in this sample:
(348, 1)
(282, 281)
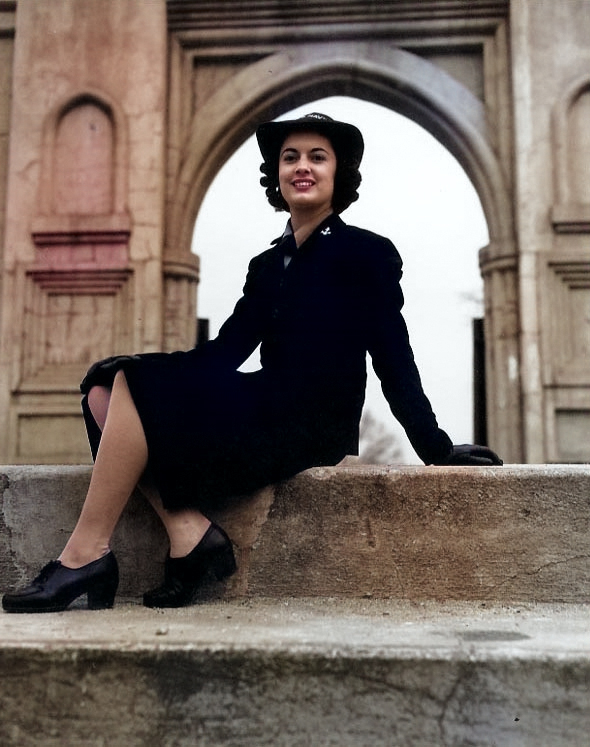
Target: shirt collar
(288, 230)
(325, 228)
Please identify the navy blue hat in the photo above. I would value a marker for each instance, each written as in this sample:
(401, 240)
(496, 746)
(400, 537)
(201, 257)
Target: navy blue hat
(346, 139)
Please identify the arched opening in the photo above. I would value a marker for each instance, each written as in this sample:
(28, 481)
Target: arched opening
(414, 192)
(84, 160)
(391, 77)
(410, 86)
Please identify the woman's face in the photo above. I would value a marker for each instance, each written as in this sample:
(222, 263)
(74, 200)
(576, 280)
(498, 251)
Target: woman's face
(307, 166)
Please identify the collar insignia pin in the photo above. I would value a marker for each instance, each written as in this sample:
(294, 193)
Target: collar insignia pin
(326, 231)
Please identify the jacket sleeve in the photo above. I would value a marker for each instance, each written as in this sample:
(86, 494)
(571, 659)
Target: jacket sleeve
(393, 359)
(241, 333)
(237, 339)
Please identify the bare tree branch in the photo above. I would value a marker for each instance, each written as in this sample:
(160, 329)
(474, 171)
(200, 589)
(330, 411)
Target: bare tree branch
(377, 444)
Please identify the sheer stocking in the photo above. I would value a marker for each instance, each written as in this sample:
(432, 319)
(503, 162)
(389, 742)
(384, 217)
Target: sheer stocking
(119, 467)
(120, 462)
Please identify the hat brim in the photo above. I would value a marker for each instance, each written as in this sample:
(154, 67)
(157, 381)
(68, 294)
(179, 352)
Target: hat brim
(346, 139)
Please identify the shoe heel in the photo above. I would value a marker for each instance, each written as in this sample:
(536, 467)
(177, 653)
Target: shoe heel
(101, 596)
(224, 564)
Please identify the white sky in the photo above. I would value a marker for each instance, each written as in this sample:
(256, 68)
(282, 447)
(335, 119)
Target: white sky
(415, 193)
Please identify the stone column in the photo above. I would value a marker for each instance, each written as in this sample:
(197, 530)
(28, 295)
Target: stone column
(500, 272)
(82, 264)
(551, 81)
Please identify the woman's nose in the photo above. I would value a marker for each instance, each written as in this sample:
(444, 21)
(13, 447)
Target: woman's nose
(303, 165)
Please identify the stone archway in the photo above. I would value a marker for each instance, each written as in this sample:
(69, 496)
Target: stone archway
(503, 84)
(387, 76)
(413, 87)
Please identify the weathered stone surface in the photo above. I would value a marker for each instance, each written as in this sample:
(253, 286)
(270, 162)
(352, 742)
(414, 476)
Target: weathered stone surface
(39, 507)
(311, 667)
(511, 533)
(81, 219)
(514, 533)
(301, 673)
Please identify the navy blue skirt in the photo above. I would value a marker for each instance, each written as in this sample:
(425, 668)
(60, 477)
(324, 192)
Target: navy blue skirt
(214, 434)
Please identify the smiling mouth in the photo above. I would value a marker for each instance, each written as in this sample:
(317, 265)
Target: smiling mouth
(303, 184)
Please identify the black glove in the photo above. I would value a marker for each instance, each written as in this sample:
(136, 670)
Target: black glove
(470, 454)
(102, 373)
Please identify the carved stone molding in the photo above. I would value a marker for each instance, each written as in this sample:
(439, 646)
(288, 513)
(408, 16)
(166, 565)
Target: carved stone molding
(72, 317)
(230, 16)
(572, 218)
(567, 312)
(571, 213)
(48, 230)
(78, 295)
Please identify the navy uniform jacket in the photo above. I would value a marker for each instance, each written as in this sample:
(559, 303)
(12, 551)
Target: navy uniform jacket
(338, 298)
(214, 432)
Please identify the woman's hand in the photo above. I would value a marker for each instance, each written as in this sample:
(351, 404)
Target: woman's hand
(102, 373)
(470, 454)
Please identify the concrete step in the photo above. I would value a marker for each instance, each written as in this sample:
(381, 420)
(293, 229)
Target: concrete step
(298, 672)
(506, 534)
(373, 606)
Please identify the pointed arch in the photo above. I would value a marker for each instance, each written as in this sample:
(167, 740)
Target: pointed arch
(391, 77)
(415, 88)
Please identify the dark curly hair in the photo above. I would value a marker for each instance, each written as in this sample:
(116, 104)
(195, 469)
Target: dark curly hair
(347, 180)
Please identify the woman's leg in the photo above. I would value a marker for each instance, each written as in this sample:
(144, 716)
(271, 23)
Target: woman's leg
(120, 462)
(184, 528)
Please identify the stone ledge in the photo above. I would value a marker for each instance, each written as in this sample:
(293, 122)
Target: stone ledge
(513, 533)
(292, 672)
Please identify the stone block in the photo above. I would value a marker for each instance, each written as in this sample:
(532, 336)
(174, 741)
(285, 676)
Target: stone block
(297, 673)
(513, 533)
(39, 506)
(507, 533)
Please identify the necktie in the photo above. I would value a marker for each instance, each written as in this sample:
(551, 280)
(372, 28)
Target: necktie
(288, 248)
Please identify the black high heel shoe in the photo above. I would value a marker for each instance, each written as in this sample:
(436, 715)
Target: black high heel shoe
(183, 577)
(56, 587)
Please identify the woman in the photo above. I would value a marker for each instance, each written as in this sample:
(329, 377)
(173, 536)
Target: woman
(192, 431)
